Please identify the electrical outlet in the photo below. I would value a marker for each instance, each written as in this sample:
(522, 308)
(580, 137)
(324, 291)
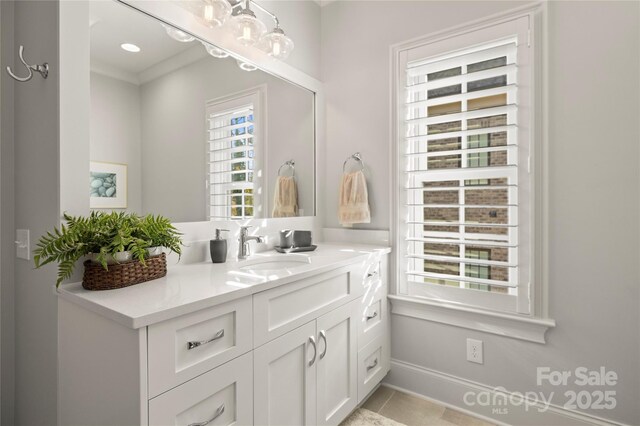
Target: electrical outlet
(474, 351)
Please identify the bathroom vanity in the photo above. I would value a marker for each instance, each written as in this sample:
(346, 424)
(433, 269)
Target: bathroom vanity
(202, 125)
(298, 339)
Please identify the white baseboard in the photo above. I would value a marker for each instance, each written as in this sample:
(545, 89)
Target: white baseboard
(449, 391)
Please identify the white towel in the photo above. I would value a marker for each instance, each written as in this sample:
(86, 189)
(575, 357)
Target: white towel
(285, 198)
(354, 199)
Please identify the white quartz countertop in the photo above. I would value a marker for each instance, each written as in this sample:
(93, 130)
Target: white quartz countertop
(188, 288)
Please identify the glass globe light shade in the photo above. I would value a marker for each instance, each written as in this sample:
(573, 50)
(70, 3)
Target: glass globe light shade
(178, 35)
(214, 51)
(246, 28)
(245, 66)
(213, 13)
(277, 44)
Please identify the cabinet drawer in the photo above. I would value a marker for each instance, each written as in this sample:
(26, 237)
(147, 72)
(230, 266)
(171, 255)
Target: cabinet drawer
(223, 396)
(281, 309)
(373, 365)
(373, 318)
(187, 346)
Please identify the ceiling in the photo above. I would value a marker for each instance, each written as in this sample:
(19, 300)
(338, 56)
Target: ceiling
(113, 24)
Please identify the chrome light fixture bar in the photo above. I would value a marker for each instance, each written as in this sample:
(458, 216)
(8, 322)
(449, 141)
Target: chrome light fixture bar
(275, 43)
(243, 24)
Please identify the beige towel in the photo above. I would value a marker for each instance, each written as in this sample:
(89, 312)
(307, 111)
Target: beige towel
(285, 199)
(354, 199)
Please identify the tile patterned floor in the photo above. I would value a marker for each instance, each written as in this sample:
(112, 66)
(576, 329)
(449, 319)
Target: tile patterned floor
(413, 411)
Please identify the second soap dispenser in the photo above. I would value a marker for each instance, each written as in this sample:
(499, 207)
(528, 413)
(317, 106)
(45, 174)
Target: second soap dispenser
(218, 247)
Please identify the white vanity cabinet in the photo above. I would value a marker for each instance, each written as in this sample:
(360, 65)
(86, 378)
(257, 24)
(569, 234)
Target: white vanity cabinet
(304, 352)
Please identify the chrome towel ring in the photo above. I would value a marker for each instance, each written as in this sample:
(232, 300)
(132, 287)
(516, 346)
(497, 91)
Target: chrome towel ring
(291, 164)
(42, 69)
(356, 157)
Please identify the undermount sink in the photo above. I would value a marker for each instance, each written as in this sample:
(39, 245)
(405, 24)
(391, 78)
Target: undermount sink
(275, 263)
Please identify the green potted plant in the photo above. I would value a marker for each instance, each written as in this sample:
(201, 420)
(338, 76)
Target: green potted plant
(116, 242)
(159, 232)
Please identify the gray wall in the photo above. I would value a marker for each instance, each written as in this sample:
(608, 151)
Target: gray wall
(173, 125)
(115, 130)
(593, 174)
(301, 21)
(36, 208)
(7, 248)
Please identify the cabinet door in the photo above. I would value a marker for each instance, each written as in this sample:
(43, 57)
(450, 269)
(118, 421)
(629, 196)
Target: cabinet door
(285, 379)
(337, 363)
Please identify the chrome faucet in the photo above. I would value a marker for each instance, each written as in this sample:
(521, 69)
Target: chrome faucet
(244, 249)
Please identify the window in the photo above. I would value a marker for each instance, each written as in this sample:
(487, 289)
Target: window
(232, 137)
(465, 211)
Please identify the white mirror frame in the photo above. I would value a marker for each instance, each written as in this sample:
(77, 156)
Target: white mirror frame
(74, 104)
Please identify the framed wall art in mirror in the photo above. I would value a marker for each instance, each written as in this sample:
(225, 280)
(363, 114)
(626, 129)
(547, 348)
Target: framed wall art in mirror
(107, 185)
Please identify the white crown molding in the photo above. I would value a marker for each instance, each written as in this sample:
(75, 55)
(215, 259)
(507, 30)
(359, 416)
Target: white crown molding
(182, 59)
(113, 72)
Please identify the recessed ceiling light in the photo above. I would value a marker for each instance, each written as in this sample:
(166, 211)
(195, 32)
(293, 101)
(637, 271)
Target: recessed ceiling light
(130, 47)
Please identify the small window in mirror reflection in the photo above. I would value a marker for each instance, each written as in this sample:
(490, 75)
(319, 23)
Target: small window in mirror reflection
(231, 139)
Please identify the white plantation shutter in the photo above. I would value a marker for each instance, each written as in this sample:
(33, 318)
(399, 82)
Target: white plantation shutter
(464, 165)
(231, 162)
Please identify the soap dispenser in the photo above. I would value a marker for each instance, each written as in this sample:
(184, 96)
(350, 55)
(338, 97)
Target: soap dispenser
(218, 247)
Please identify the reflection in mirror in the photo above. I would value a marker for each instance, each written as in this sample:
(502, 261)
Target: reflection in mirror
(179, 129)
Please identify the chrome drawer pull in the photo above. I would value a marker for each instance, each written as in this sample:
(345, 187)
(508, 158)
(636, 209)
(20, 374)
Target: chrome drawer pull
(372, 316)
(372, 366)
(324, 337)
(371, 274)
(218, 335)
(312, 340)
(218, 413)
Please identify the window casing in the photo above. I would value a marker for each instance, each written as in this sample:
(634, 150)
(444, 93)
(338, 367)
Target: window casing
(465, 210)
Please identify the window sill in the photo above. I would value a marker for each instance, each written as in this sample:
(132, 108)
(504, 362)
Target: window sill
(513, 326)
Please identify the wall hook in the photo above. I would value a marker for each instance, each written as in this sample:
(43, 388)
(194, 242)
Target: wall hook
(42, 69)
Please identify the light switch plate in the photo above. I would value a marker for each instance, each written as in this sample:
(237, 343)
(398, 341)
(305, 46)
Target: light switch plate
(23, 246)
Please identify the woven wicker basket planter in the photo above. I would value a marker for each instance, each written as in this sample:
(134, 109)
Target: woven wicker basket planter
(123, 274)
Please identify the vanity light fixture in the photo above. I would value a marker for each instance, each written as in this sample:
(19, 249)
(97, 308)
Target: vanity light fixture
(245, 66)
(130, 47)
(276, 43)
(214, 51)
(243, 24)
(213, 13)
(178, 35)
(246, 27)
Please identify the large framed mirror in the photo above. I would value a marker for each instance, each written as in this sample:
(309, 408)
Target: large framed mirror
(181, 128)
